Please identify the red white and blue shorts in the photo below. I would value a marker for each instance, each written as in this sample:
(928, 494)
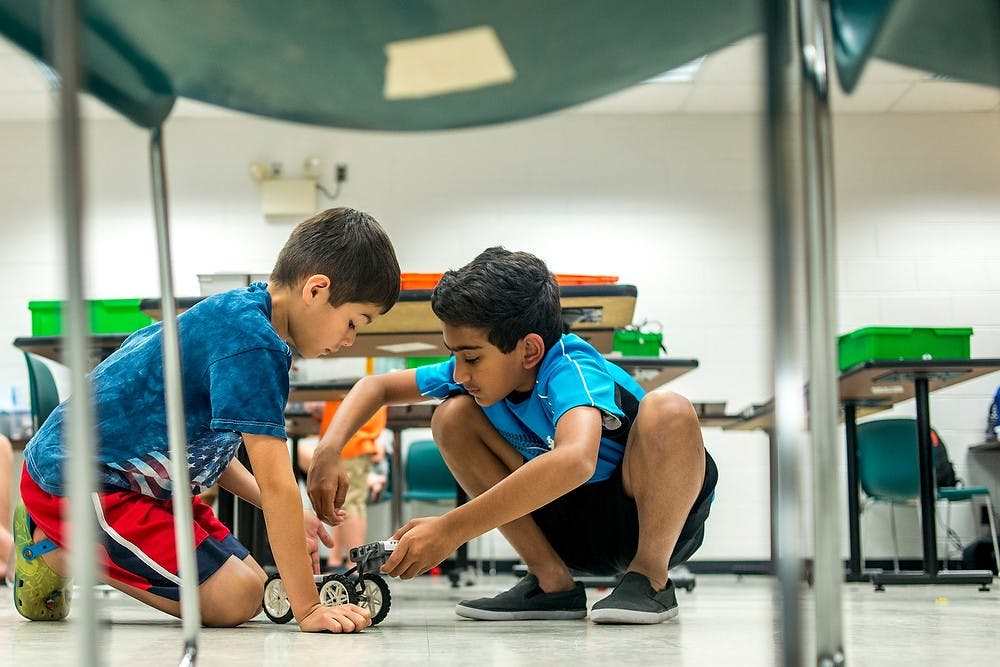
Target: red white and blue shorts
(138, 546)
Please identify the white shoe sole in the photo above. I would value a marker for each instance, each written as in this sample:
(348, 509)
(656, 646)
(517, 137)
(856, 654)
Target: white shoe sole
(631, 617)
(532, 615)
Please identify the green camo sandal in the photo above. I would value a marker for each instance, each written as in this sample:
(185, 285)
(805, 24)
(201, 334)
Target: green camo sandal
(39, 593)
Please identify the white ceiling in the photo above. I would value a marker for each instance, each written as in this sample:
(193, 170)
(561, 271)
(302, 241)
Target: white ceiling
(728, 81)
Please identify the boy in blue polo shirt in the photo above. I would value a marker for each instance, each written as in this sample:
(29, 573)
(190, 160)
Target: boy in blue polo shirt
(337, 273)
(578, 467)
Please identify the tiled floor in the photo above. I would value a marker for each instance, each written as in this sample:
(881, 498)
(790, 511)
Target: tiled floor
(724, 621)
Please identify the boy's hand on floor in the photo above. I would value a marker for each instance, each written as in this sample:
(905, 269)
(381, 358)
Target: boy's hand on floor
(342, 618)
(423, 543)
(316, 532)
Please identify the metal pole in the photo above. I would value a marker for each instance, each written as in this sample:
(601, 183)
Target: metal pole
(82, 473)
(855, 565)
(925, 456)
(788, 401)
(821, 285)
(396, 479)
(180, 481)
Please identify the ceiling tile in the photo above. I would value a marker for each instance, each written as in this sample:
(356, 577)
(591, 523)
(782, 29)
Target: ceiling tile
(187, 108)
(644, 98)
(20, 74)
(725, 98)
(932, 96)
(878, 70)
(26, 106)
(868, 98)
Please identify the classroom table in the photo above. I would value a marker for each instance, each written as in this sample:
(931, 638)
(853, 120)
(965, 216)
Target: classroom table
(897, 381)
(101, 346)
(870, 387)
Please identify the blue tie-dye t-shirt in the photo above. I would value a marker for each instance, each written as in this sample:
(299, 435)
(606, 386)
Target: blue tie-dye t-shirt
(235, 375)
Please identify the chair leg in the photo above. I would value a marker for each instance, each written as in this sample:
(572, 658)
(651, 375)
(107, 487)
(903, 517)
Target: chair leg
(993, 530)
(947, 534)
(862, 508)
(895, 540)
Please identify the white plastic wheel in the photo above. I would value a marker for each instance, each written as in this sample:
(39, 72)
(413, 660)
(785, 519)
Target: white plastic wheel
(276, 604)
(336, 590)
(376, 598)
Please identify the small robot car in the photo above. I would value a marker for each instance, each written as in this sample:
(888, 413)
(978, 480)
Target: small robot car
(361, 585)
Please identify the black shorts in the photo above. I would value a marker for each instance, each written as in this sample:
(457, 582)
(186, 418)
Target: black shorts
(595, 527)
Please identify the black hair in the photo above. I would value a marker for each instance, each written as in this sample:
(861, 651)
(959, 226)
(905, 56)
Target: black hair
(506, 294)
(350, 248)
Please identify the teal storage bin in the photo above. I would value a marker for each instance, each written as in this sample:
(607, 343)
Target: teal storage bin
(894, 343)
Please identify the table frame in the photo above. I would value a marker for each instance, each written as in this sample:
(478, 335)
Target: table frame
(869, 381)
(874, 386)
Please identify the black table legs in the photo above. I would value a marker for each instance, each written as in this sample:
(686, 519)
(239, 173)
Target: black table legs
(930, 573)
(854, 564)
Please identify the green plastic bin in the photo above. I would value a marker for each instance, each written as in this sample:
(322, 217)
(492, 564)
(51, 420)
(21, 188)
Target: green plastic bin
(636, 343)
(417, 362)
(46, 318)
(106, 316)
(117, 316)
(892, 343)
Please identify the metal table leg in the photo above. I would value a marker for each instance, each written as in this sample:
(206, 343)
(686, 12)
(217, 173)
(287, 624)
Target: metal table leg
(854, 564)
(930, 573)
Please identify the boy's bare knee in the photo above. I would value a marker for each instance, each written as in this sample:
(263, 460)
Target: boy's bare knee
(231, 596)
(451, 418)
(667, 422)
(669, 408)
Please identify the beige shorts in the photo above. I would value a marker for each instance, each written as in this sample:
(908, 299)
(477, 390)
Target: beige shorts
(357, 468)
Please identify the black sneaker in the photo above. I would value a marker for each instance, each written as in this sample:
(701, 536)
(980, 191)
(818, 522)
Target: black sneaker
(527, 602)
(635, 601)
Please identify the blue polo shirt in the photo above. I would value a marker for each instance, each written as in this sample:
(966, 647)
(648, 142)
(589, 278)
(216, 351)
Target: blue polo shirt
(571, 374)
(235, 380)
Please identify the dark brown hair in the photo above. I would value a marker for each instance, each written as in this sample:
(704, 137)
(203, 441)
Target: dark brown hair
(350, 248)
(506, 294)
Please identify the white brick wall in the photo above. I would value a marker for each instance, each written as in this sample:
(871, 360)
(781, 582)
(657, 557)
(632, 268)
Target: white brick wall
(673, 204)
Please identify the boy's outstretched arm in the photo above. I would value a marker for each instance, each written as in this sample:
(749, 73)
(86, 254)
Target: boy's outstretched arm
(326, 480)
(280, 499)
(423, 543)
(238, 481)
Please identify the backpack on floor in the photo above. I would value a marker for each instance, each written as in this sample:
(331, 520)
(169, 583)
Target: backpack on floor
(944, 471)
(993, 418)
(978, 555)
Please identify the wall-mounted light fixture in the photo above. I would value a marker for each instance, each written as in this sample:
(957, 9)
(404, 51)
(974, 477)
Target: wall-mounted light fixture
(280, 196)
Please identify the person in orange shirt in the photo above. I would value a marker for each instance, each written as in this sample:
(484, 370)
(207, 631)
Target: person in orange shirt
(359, 454)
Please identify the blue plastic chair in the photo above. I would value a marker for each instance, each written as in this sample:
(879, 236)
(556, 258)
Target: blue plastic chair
(41, 390)
(427, 476)
(889, 471)
(428, 479)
